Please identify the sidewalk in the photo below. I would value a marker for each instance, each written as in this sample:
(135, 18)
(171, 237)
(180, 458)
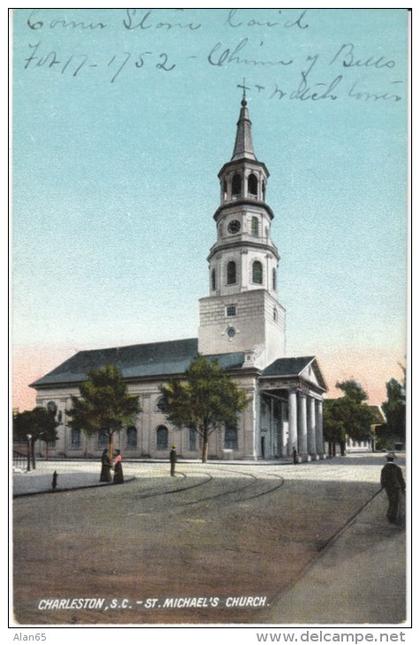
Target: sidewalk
(358, 578)
(40, 482)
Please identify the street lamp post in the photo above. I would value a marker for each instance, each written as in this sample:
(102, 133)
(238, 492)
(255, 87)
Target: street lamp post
(29, 437)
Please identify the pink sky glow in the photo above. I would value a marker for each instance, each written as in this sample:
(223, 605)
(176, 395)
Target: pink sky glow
(372, 369)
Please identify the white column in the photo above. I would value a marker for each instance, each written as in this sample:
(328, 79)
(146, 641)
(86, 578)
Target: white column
(312, 447)
(146, 439)
(283, 422)
(319, 429)
(292, 421)
(244, 269)
(302, 425)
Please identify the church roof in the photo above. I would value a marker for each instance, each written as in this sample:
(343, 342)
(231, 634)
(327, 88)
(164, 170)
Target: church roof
(135, 361)
(293, 367)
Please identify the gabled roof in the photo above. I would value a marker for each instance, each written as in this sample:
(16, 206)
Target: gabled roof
(378, 414)
(294, 367)
(135, 361)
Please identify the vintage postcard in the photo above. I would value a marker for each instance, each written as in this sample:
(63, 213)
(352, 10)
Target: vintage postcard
(209, 211)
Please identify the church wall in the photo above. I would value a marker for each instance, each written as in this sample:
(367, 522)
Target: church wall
(146, 423)
(213, 337)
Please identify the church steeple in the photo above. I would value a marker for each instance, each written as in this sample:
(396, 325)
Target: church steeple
(242, 311)
(243, 148)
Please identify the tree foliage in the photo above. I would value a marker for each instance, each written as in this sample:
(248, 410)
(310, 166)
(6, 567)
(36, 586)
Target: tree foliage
(347, 415)
(40, 423)
(205, 400)
(395, 410)
(104, 404)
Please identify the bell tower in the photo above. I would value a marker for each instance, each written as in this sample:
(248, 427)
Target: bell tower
(242, 312)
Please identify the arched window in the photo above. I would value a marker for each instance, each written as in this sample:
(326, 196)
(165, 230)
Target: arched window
(162, 438)
(263, 190)
(52, 407)
(162, 404)
(253, 185)
(231, 272)
(131, 437)
(236, 185)
(213, 279)
(255, 226)
(257, 272)
(102, 439)
(224, 189)
(231, 437)
(274, 279)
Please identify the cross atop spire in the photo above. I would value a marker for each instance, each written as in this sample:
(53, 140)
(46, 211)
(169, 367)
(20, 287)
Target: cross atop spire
(243, 148)
(244, 89)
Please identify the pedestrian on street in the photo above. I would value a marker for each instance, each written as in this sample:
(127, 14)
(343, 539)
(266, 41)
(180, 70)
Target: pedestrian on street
(106, 467)
(393, 481)
(118, 471)
(172, 459)
(295, 456)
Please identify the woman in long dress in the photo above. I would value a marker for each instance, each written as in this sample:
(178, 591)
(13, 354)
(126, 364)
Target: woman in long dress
(118, 471)
(106, 467)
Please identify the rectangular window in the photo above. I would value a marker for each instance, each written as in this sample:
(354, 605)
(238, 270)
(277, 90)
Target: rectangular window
(231, 310)
(231, 437)
(75, 438)
(192, 440)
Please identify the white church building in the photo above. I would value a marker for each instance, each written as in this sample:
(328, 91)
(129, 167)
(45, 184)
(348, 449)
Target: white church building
(242, 326)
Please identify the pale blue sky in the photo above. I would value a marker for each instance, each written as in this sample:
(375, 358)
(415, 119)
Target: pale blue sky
(115, 183)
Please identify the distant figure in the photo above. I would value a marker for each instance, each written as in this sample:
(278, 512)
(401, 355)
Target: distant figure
(393, 481)
(295, 456)
(172, 459)
(118, 471)
(54, 480)
(106, 467)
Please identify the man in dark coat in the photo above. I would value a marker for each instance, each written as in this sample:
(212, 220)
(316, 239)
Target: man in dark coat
(393, 481)
(172, 459)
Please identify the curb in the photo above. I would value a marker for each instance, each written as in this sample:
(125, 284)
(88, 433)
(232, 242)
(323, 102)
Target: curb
(70, 489)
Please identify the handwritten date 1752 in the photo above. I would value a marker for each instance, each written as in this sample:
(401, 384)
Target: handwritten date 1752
(73, 65)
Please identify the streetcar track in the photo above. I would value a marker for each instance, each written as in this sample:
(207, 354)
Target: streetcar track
(224, 493)
(176, 490)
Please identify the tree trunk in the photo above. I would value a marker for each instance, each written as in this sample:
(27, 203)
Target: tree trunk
(110, 445)
(205, 448)
(342, 448)
(33, 454)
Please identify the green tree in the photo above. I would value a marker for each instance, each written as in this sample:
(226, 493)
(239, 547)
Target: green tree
(347, 416)
(334, 429)
(104, 404)
(205, 400)
(40, 423)
(395, 411)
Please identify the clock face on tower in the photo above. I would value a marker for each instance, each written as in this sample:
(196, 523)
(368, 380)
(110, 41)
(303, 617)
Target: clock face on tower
(234, 226)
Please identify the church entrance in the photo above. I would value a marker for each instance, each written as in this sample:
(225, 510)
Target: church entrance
(263, 447)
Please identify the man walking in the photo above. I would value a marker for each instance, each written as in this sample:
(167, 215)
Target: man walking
(172, 459)
(393, 481)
